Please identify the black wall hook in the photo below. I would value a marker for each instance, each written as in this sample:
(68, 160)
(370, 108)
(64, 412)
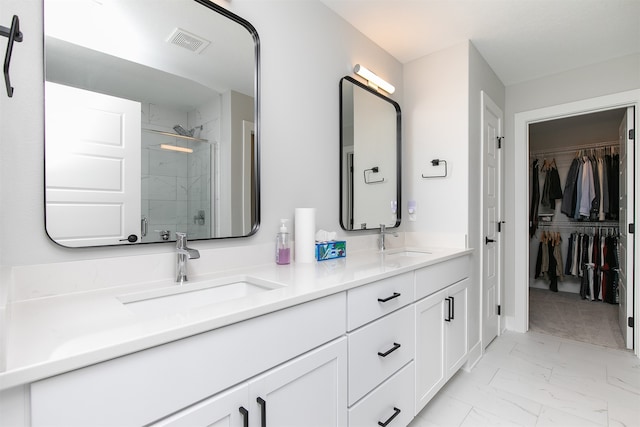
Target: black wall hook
(14, 35)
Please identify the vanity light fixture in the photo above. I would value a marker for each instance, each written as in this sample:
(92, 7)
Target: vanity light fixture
(176, 148)
(373, 79)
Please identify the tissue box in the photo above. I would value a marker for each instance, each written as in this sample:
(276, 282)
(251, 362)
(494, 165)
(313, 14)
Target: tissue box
(331, 250)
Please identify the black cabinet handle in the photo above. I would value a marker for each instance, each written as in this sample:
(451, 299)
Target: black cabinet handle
(396, 412)
(245, 416)
(388, 352)
(448, 318)
(395, 295)
(263, 411)
(488, 240)
(453, 308)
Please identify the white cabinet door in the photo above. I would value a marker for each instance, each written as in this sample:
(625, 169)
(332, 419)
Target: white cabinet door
(441, 339)
(456, 327)
(430, 348)
(310, 390)
(227, 409)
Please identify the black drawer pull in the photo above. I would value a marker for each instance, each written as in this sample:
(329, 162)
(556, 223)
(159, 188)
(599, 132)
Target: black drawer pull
(448, 319)
(263, 411)
(388, 352)
(395, 295)
(396, 411)
(245, 416)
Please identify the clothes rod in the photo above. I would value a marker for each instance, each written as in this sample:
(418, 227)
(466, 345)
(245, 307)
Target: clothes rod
(579, 225)
(574, 148)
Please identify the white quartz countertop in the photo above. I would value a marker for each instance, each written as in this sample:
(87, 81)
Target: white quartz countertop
(53, 335)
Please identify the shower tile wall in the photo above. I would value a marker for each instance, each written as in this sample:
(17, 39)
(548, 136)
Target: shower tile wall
(176, 187)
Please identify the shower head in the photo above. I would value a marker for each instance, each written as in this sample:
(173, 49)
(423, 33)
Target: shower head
(182, 131)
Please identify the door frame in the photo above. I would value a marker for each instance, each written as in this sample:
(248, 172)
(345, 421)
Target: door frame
(520, 320)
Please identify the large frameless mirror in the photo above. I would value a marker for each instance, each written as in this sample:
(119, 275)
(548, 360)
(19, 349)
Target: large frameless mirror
(151, 119)
(369, 158)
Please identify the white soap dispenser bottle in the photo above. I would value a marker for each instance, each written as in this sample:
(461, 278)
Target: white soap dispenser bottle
(283, 245)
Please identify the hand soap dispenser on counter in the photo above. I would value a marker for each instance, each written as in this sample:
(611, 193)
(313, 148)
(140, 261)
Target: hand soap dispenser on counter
(283, 245)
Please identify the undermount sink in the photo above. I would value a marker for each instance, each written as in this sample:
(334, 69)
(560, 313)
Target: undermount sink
(408, 254)
(191, 295)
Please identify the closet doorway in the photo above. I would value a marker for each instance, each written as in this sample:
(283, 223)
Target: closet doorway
(577, 215)
(518, 256)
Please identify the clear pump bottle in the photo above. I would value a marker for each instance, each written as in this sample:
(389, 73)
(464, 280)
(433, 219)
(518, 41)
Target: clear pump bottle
(283, 245)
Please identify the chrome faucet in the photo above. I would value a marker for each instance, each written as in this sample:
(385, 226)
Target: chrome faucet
(184, 254)
(383, 233)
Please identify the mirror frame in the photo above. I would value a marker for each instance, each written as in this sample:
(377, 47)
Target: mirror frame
(398, 151)
(256, 111)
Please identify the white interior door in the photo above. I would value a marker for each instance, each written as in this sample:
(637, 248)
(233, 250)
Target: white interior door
(492, 118)
(625, 242)
(93, 186)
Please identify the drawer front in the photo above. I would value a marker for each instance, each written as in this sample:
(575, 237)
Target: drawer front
(367, 303)
(378, 350)
(438, 276)
(145, 386)
(391, 404)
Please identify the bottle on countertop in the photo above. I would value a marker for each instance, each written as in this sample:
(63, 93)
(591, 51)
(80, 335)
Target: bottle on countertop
(283, 245)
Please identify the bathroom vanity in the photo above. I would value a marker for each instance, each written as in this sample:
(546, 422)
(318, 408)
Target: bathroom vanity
(359, 341)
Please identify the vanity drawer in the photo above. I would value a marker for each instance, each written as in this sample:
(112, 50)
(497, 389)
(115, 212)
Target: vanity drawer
(378, 350)
(438, 276)
(394, 398)
(368, 302)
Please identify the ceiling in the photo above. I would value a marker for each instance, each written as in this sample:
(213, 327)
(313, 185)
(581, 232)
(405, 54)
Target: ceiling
(520, 39)
(581, 130)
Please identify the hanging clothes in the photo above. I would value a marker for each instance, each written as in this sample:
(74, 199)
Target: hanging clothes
(610, 271)
(595, 203)
(584, 263)
(549, 264)
(535, 200)
(614, 187)
(601, 216)
(587, 189)
(591, 189)
(569, 196)
(552, 190)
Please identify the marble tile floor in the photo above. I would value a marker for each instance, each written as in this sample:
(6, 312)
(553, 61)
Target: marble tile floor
(536, 379)
(566, 315)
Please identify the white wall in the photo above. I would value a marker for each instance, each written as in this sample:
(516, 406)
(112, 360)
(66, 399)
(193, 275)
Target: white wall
(443, 120)
(305, 50)
(435, 113)
(481, 78)
(610, 77)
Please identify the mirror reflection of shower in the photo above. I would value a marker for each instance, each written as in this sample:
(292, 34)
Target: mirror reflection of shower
(176, 180)
(189, 133)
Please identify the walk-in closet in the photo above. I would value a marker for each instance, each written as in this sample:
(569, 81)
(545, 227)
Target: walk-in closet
(575, 243)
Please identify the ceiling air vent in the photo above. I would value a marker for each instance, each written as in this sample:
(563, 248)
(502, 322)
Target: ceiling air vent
(188, 40)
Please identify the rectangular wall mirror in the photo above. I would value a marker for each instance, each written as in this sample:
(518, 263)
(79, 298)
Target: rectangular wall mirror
(370, 139)
(151, 122)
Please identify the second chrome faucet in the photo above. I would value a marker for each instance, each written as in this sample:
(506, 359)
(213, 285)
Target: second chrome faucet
(382, 245)
(183, 255)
